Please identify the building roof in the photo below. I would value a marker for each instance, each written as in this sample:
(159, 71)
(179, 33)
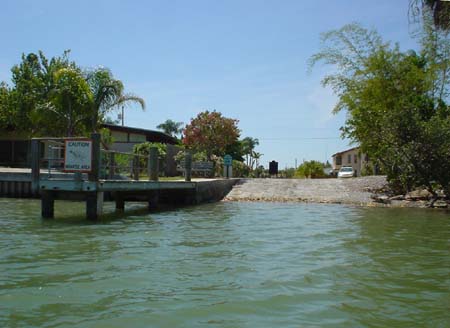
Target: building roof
(344, 151)
(151, 135)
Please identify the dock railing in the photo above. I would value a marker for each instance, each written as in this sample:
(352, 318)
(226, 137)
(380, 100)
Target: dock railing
(47, 162)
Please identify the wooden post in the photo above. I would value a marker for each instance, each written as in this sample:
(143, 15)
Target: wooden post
(153, 200)
(35, 165)
(120, 203)
(136, 167)
(153, 164)
(94, 175)
(112, 166)
(47, 204)
(94, 205)
(187, 165)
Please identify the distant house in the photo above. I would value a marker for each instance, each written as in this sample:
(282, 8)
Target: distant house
(15, 146)
(351, 157)
(126, 137)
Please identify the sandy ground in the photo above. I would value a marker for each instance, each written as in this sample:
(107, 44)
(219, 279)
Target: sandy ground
(355, 191)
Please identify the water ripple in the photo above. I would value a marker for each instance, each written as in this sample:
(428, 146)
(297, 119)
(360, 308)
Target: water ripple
(226, 265)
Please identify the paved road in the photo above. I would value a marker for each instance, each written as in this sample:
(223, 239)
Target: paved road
(346, 191)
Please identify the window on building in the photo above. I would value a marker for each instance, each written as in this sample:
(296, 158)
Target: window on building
(355, 158)
(349, 159)
(339, 160)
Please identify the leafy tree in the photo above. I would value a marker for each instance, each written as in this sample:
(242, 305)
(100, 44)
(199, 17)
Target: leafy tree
(6, 114)
(108, 94)
(310, 169)
(53, 96)
(439, 10)
(211, 132)
(143, 149)
(171, 127)
(395, 102)
(70, 100)
(33, 81)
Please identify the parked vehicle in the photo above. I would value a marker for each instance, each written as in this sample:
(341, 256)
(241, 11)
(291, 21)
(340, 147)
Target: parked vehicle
(346, 172)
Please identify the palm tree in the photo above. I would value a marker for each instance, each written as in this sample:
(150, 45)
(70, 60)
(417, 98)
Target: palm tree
(171, 128)
(248, 147)
(108, 94)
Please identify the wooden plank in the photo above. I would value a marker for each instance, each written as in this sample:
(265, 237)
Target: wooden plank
(113, 185)
(119, 185)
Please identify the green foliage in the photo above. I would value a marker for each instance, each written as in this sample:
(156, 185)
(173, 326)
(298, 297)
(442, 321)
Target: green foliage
(171, 128)
(54, 97)
(289, 173)
(310, 169)
(144, 149)
(212, 133)
(106, 137)
(6, 113)
(240, 170)
(396, 102)
(108, 94)
(70, 101)
(33, 87)
(437, 10)
(196, 157)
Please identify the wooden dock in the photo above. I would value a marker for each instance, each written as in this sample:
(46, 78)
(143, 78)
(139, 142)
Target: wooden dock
(91, 188)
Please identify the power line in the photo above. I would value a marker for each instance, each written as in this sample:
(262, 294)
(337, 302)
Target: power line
(301, 138)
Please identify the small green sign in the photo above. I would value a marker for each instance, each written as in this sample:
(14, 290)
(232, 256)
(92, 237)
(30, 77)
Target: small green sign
(227, 160)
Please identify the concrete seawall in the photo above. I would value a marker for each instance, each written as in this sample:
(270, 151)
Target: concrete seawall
(16, 183)
(213, 190)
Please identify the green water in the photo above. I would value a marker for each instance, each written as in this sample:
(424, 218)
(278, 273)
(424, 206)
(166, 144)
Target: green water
(225, 265)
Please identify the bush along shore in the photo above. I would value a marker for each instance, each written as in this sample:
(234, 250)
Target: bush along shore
(417, 198)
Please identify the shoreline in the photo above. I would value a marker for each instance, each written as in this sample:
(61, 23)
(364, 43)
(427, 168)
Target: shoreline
(360, 191)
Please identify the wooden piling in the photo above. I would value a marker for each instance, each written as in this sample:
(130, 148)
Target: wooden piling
(153, 200)
(35, 165)
(95, 169)
(47, 204)
(120, 202)
(94, 205)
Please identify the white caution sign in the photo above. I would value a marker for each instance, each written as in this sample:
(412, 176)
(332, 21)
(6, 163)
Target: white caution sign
(78, 155)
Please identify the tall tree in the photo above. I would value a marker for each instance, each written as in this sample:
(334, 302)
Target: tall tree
(211, 132)
(439, 10)
(71, 100)
(248, 148)
(395, 102)
(171, 127)
(108, 94)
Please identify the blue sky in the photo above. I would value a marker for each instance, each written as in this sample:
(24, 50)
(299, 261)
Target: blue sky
(246, 59)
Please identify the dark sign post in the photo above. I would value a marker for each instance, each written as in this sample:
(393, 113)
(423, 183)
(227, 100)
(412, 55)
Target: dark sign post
(273, 168)
(227, 166)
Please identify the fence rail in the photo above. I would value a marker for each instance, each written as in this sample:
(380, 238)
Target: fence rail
(48, 153)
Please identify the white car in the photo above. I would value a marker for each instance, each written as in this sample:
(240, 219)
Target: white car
(346, 172)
